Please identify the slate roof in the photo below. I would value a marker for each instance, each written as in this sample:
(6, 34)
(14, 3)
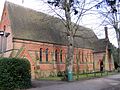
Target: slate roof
(29, 24)
(100, 45)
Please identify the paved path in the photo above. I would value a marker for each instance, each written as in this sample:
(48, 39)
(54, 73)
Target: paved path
(106, 83)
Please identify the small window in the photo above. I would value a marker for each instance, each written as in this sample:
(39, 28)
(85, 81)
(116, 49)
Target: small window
(40, 54)
(82, 57)
(47, 55)
(60, 55)
(91, 57)
(87, 57)
(56, 55)
(4, 28)
(5, 13)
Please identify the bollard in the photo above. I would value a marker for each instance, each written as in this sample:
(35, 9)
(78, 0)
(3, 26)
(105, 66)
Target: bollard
(70, 76)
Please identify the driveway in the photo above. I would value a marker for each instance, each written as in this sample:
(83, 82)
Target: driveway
(106, 83)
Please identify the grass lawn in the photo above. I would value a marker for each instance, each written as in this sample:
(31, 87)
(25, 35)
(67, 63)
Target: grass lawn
(50, 78)
(81, 76)
(92, 75)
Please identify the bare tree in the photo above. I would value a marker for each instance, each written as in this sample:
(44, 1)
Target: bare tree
(76, 9)
(72, 10)
(110, 11)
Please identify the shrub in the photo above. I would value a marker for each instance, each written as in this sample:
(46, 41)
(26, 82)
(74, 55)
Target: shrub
(61, 73)
(14, 73)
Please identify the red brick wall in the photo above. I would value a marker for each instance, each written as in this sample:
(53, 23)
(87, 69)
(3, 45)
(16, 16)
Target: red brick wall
(97, 57)
(31, 48)
(83, 58)
(5, 26)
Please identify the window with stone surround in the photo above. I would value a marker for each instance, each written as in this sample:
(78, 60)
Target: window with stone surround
(91, 57)
(46, 55)
(56, 55)
(5, 13)
(4, 28)
(40, 54)
(60, 55)
(82, 56)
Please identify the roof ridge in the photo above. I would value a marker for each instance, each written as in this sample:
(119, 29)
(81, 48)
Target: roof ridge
(17, 5)
(10, 3)
(29, 24)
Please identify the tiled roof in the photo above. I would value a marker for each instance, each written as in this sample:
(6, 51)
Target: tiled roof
(100, 45)
(32, 25)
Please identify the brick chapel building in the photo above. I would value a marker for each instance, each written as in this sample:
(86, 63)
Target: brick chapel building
(42, 39)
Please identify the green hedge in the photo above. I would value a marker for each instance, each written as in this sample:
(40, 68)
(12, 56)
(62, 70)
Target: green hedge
(14, 73)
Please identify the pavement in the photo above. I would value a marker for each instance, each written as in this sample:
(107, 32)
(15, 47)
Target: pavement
(106, 83)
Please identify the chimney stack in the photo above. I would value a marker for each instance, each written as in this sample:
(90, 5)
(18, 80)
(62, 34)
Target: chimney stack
(106, 32)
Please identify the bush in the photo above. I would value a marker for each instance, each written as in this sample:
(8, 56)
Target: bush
(14, 73)
(59, 74)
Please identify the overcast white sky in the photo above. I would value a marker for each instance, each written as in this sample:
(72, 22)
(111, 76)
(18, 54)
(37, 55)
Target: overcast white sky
(89, 22)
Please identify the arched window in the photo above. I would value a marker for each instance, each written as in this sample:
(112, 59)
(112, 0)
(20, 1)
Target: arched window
(4, 28)
(60, 55)
(82, 56)
(47, 55)
(87, 57)
(40, 54)
(56, 55)
(91, 58)
(5, 13)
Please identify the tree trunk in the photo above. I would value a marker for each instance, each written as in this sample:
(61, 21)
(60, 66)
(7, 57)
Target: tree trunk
(70, 53)
(116, 27)
(118, 40)
(70, 58)
(119, 48)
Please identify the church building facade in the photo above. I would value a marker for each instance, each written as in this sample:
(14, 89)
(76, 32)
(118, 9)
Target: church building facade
(42, 39)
